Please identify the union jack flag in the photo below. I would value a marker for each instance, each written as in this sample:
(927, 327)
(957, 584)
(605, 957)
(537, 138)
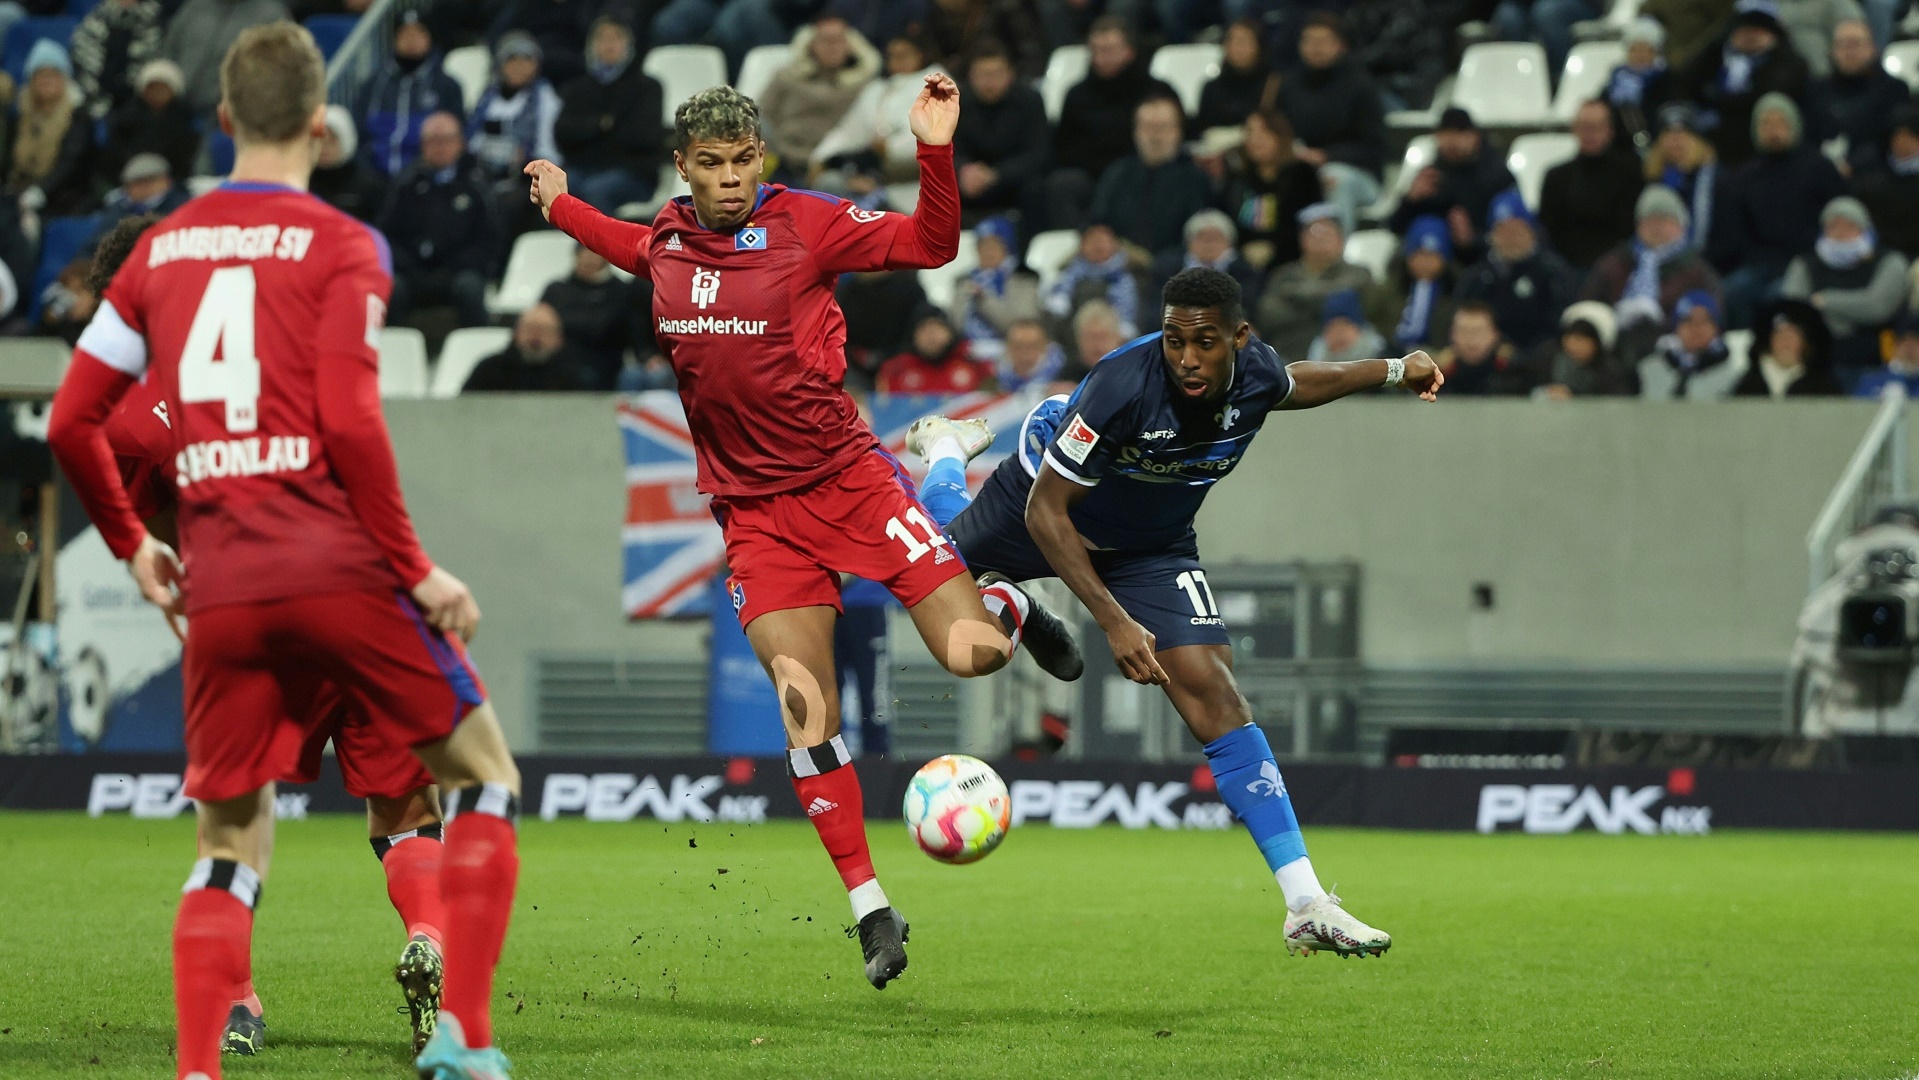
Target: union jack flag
(672, 546)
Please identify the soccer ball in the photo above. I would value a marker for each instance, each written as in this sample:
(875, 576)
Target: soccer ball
(957, 809)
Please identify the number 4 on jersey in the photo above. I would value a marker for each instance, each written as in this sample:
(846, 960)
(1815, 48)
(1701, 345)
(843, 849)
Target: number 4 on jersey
(223, 328)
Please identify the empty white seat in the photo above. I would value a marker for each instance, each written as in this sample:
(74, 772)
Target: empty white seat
(1902, 60)
(684, 70)
(1503, 84)
(402, 362)
(1065, 69)
(757, 70)
(538, 260)
(1187, 68)
(1532, 155)
(1048, 254)
(1373, 249)
(941, 282)
(1587, 68)
(471, 66)
(463, 351)
(1622, 13)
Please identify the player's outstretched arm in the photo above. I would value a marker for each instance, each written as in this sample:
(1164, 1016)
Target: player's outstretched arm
(1316, 382)
(1049, 521)
(930, 237)
(622, 243)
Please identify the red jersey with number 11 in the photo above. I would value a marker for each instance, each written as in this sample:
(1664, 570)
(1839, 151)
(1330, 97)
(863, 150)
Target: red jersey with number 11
(254, 314)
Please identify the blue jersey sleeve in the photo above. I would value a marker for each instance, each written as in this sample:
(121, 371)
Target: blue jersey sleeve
(1102, 416)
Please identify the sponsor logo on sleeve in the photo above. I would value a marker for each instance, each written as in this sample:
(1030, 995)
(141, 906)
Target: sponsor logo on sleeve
(864, 217)
(1077, 441)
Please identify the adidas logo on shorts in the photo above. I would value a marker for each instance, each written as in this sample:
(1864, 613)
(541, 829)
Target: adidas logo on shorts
(820, 806)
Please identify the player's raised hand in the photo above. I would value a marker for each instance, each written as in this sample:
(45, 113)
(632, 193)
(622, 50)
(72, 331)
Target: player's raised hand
(1133, 646)
(549, 183)
(935, 113)
(447, 604)
(156, 569)
(1423, 376)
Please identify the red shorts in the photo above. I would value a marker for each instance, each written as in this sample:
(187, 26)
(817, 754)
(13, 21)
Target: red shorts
(788, 550)
(372, 765)
(256, 674)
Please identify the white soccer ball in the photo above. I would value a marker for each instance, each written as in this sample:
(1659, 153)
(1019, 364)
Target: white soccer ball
(957, 809)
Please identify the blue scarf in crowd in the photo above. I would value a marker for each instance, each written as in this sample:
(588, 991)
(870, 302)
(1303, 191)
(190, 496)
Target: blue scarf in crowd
(992, 283)
(1628, 86)
(1846, 254)
(1415, 322)
(1735, 71)
(1643, 285)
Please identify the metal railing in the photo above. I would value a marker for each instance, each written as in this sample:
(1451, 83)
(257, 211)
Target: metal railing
(1876, 475)
(364, 50)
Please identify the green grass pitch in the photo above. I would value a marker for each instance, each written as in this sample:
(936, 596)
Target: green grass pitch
(1101, 953)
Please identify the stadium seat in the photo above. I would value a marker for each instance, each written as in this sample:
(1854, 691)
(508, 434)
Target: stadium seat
(1420, 152)
(1902, 60)
(200, 185)
(670, 187)
(61, 239)
(1739, 350)
(1187, 68)
(25, 33)
(1587, 68)
(1503, 84)
(463, 351)
(1373, 249)
(402, 363)
(940, 283)
(1048, 254)
(684, 70)
(1065, 69)
(1530, 157)
(470, 66)
(757, 70)
(330, 31)
(539, 259)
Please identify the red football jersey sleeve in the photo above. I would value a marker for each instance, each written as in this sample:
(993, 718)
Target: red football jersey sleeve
(842, 238)
(142, 442)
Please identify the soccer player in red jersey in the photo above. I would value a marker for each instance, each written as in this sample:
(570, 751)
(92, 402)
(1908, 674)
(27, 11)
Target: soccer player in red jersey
(743, 276)
(254, 311)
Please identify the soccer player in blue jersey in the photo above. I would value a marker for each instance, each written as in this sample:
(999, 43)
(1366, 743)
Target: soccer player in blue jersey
(1102, 494)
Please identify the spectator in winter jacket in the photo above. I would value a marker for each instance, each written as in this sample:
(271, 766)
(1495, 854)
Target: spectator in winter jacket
(1581, 361)
(1730, 76)
(596, 310)
(1031, 360)
(832, 63)
(1681, 159)
(538, 360)
(935, 361)
(1586, 204)
(997, 293)
(878, 309)
(1858, 101)
(1477, 361)
(512, 123)
(1524, 283)
(1336, 115)
(1549, 22)
(1645, 278)
(1148, 196)
(955, 29)
(736, 26)
(440, 224)
(1003, 142)
(1102, 270)
(1459, 186)
(558, 27)
(1246, 83)
(1692, 362)
(1288, 312)
(1770, 212)
(1638, 88)
(609, 126)
(1857, 285)
(1413, 307)
(1810, 25)
(1792, 355)
(1902, 366)
(1344, 333)
(146, 187)
(873, 143)
(1691, 26)
(1405, 48)
(1890, 187)
(407, 89)
(1097, 331)
(1095, 125)
(51, 150)
(1209, 242)
(880, 20)
(340, 178)
(1264, 186)
(154, 121)
(199, 35)
(110, 46)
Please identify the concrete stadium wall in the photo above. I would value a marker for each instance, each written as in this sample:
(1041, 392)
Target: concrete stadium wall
(1610, 532)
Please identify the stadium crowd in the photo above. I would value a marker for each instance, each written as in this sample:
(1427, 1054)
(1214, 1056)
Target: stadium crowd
(1750, 167)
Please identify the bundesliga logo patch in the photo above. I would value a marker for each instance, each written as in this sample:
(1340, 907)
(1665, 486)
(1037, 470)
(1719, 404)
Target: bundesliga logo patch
(750, 239)
(1077, 441)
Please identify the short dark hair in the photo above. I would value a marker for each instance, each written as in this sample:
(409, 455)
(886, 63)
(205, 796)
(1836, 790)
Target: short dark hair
(114, 248)
(1326, 20)
(1107, 24)
(1477, 307)
(718, 114)
(1204, 287)
(989, 49)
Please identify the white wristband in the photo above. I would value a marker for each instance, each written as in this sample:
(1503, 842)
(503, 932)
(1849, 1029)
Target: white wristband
(1395, 372)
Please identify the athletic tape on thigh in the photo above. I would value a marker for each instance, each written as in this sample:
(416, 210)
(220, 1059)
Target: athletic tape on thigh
(965, 635)
(814, 760)
(384, 844)
(494, 800)
(790, 674)
(227, 876)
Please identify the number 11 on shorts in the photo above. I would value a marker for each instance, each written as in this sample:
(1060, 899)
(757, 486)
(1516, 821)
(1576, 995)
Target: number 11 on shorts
(915, 550)
(1200, 593)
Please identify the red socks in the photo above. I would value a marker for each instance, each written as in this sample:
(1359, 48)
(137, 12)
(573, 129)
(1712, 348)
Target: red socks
(413, 884)
(829, 792)
(481, 867)
(212, 936)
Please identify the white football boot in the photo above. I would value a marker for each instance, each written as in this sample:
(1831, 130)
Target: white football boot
(972, 435)
(1323, 926)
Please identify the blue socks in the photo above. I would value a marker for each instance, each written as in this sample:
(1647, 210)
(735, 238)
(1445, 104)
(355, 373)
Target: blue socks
(1250, 785)
(944, 492)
